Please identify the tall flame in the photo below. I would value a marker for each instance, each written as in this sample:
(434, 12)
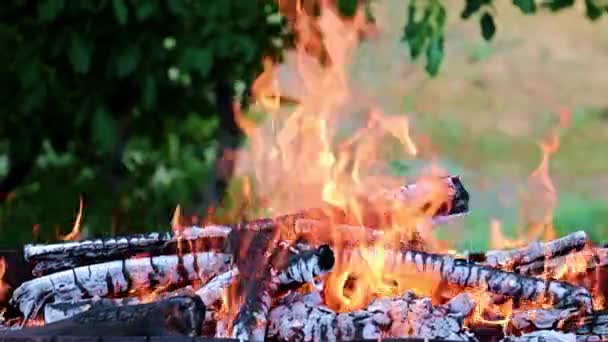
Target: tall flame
(329, 147)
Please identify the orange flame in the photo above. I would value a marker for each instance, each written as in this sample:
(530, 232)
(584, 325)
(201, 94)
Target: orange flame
(75, 233)
(4, 287)
(330, 148)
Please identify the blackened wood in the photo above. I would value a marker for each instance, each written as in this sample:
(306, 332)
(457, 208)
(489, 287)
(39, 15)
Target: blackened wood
(182, 315)
(304, 318)
(51, 258)
(212, 291)
(535, 251)
(118, 277)
(251, 322)
(542, 336)
(305, 266)
(468, 274)
(573, 263)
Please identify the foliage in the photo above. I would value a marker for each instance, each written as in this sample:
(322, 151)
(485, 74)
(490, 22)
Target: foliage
(117, 100)
(424, 30)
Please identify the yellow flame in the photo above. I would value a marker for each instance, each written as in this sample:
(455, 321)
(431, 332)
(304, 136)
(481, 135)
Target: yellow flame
(75, 233)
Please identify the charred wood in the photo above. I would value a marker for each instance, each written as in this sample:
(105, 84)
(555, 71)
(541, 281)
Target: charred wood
(252, 319)
(573, 263)
(468, 274)
(211, 292)
(60, 256)
(305, 266)
(182, 315)
(304, 318)
(536, 251)
(542, 336)
(117, 278)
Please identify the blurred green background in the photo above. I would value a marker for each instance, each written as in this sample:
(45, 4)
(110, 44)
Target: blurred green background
(127, 105)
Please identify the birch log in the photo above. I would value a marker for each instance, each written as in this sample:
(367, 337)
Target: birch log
(573, 263)
(252, 319)
(469, 274)
(536, 251)
(118, 278)
(60, 256)
(304, 318)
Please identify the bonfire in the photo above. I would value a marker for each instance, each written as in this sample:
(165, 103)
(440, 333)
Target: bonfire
(343, 252)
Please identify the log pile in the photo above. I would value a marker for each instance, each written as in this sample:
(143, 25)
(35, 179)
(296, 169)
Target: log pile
(267, 280)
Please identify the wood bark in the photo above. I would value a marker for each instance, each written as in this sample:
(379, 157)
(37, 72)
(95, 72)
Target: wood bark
(118, 278)
(305, 266)
(304, 318)
(211, 292)
(60, 256)
(535, 251)
(181, 315)
(577, 262)
(468, 274)
(251, 322)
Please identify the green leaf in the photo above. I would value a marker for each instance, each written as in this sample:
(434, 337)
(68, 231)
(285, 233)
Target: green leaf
(34, 99)
(104, 130)
(487, 26)
(434, 55)
(120, 11)
(30, 73)
(526, 6)
(146, 9)
(556, 5)
(48, 10)
(347, 8)
(177, 7)
(148, 96)
(195, 58)
(80, 52)
(127, 61)
(471, 6)
(415, 33)
(592, 10)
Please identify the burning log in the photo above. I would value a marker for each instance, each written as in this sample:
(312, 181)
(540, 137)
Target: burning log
(468, 274)
(305, 266)
(542, 336)
(182, 315)
(118, 277)
(578, 262)
(252, 319)
(211, 292)
(60, 256)
(54, 312)
(536, 251)
(304, 318)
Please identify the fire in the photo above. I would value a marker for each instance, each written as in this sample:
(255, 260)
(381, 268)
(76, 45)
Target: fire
(75, 233)
(329, 148)
(4, 287)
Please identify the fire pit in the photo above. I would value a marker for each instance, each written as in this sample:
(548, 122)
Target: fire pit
(290, 279)
(348, 262)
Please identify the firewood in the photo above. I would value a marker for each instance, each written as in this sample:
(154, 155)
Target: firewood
(182, 315)
(118, 277)
(305, 266)
(536, 251)
(304, 318)
(212, 291)
(577, 262)
(469, 274)
(542, 336)
(252, 319)
(54, 312)
(60, 256)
